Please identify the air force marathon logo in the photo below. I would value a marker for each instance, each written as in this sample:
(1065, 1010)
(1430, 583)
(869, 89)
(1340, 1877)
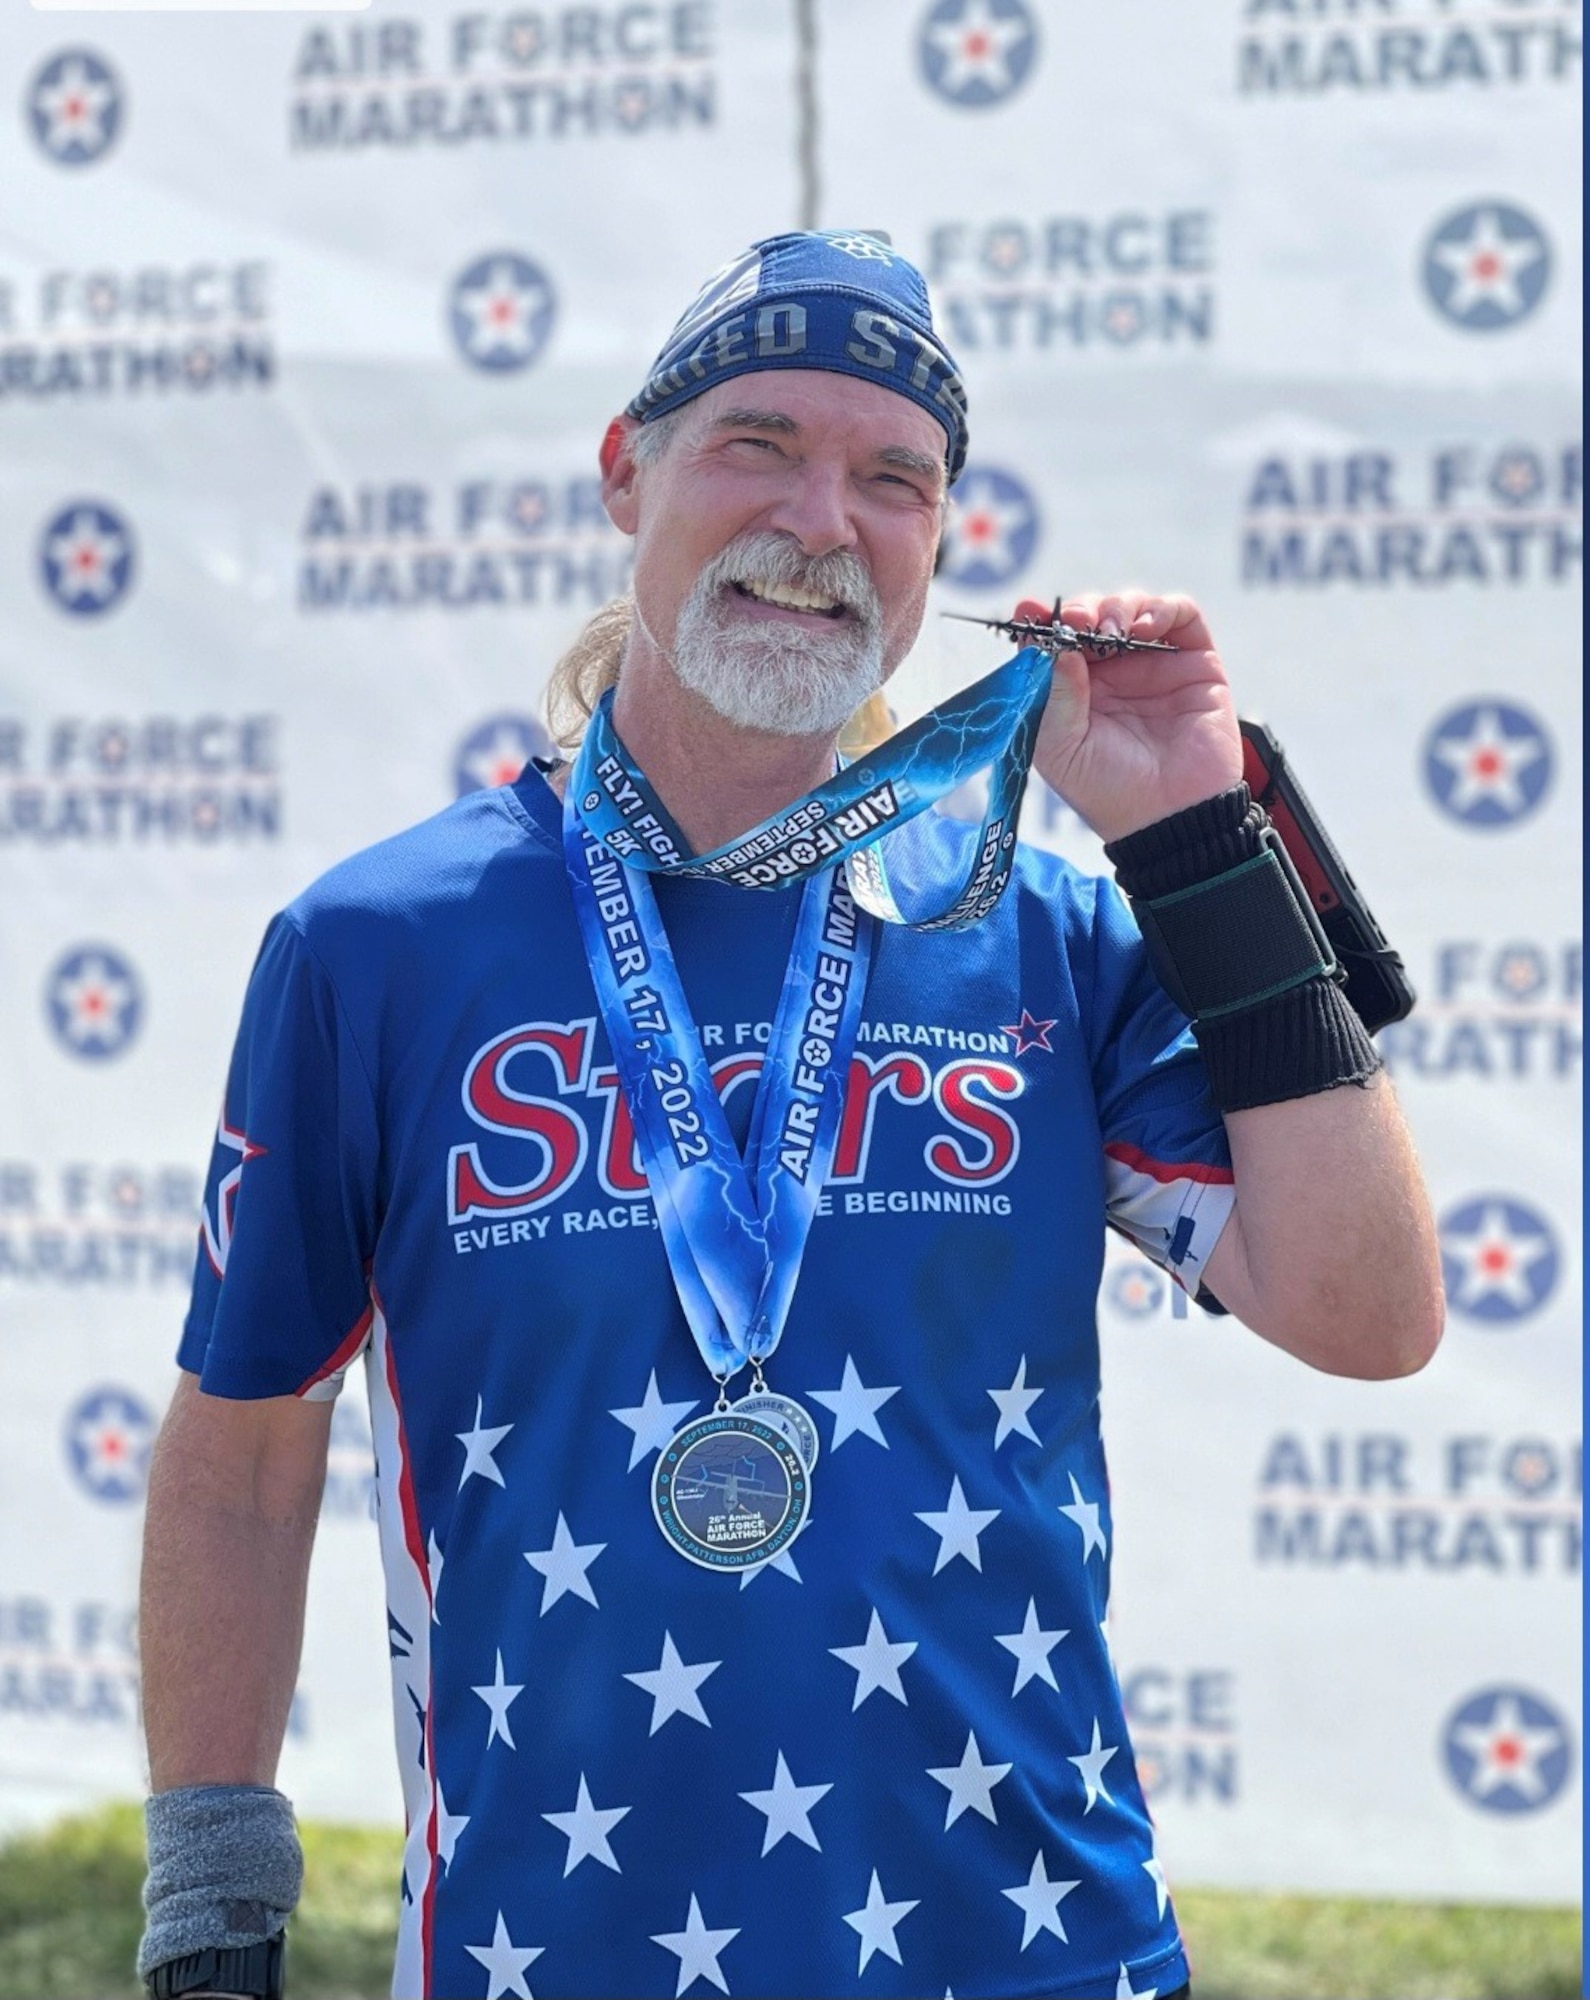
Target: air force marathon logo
(975, 53)
(1507, 1751)
(109, 1434)
(1499, 1259)
(496, 751)
(1488, 764)
(74, 108)
(87, 558)
(1486, 267)
(993, 529)
(501, 310)
(93, 1002)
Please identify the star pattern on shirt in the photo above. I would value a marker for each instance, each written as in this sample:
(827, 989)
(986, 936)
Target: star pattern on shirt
(505, 1963)
(1030, 1034)
(1085, 1513)
(499, 1696)
(958, 1528)
(876, 1662)
(970, 1783)
(697, 1950)
(564, 1566)
(1032, 1646)
(433, 1570)
(1039, 1900)
(480, 1444)
(875, 1923)
(788, 1807)
(672, 1685)
(783, 1562)
(586, 1827)
(1013, 1404)
(1156, 1874)
(449, 1825)
(1125, 1990)
(1091, 1765)
(652, 1421)
(854, 1407)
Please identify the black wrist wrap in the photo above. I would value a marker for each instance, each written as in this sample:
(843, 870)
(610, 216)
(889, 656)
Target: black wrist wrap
(1233, 940)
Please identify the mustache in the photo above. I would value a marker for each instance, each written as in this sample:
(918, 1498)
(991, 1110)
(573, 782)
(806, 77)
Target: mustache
(762, 555)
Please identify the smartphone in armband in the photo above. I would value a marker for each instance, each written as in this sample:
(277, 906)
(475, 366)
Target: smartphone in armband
(1377, 984)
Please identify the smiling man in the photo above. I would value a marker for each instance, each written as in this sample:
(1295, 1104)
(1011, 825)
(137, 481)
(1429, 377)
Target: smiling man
(725, 1262)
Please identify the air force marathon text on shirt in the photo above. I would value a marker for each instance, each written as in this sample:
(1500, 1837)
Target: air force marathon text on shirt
(893, 1758)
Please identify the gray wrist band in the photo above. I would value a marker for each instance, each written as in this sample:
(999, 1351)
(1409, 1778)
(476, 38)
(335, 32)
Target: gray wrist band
(225, 1868)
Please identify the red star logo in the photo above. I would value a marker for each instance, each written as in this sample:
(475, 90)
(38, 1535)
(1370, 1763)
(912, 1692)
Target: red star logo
(1030, 1034)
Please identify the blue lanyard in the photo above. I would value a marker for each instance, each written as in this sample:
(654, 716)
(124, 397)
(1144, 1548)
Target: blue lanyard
(992, 723)
(734, 1230)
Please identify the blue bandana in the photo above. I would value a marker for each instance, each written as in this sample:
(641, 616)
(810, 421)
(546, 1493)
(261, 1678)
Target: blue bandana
(831, 299)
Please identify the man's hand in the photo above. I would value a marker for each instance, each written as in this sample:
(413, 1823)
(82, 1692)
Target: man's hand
(1129, 740)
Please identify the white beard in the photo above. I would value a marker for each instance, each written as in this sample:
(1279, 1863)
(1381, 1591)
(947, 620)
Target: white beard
(783, 679)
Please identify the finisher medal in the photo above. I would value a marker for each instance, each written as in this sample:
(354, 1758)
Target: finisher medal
(730, 1491)
(784, 1414)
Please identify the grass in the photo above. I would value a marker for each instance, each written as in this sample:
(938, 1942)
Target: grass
(70, 1919)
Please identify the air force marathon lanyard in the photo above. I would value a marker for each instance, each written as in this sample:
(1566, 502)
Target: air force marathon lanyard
(733, 1489)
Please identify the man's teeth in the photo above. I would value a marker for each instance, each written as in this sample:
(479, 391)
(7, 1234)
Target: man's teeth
(789, 595)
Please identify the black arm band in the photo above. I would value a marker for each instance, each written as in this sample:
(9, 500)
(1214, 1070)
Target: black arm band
(1233, 939)
(253, 1969)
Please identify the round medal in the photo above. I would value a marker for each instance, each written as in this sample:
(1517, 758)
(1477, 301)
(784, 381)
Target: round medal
(729, 1491)
(786, 1415)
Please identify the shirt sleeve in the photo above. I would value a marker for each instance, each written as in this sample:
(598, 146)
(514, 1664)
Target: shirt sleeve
(280, 1300)
(1167, 1165)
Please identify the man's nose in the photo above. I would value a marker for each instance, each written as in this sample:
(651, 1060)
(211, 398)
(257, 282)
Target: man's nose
(815, 508)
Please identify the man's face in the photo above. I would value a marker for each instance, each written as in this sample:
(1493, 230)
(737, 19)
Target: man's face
(784, 540)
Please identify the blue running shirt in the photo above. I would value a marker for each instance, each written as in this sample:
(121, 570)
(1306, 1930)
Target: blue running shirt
(891, 1761)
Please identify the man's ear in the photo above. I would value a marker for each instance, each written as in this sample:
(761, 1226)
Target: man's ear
(619, 473)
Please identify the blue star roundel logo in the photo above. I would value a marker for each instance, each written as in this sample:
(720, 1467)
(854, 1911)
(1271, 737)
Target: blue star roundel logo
(74, 107)
(496, 751)
(1488, 764)
(993, 529)
(94, 1002)
(87, 558)
(975, 53)
(1486, 266)
(501, 309)
(1507, 1750)
(109, 1434)
(1499, 1259)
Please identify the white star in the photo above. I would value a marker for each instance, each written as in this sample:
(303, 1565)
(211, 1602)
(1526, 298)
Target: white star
(1487, 763)
(1039, 1900)
(499, 761)
(982, 523)
(672, 1686)
(564, 1566)
(433, 1566)
(1013, 1404)
(788, 1807)
(697, 1950)
(75, 105)
(586, 1828)
(1091, 1765)
(958, 1528)
(652, 1420)
(1156, 1874)
(85, 557)
(1124, 1989)
(499, 1696)
(877, 1662)
(1506, 1750)
(1032, 1647)
(973, 47)
(875, 1924)
(1485, 267)
(1493, 1260)
(1085, 1513)
(853, 1406)
(500, 310)
(94, 999)
(450, 1825)
(479, 1449)
(505, 1962)
(970, 1784)
(783, 1562)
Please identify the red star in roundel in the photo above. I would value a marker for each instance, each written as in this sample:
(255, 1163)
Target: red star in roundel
(1030, 1034)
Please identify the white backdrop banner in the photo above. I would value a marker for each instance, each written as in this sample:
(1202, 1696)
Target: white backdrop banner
(309, 328)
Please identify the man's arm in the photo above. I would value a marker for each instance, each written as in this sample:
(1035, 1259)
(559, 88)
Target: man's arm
(234, 1495)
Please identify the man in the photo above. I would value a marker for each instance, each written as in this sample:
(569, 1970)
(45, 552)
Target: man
(865, 1736)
